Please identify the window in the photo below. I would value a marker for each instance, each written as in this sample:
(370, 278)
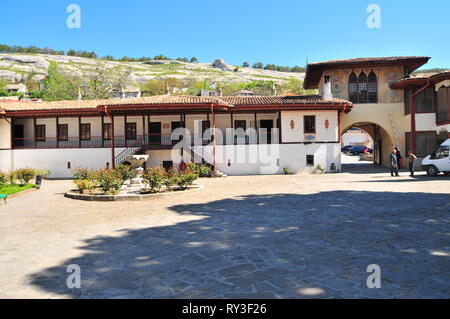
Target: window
(425, 101)
(362, 86)
(40, 133)
(130, 131)
(309, 160)
(363, 89)
(107, 131)
(443, 105)
(309, 122)
(85, 131)
(63, 132)
(372, 88)
(407, 101)
(441, 152)
(353, 88)
(242, 124)
(426, 143)
(205, 126)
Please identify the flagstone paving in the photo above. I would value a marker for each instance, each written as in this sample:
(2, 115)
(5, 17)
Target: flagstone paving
(296, 236)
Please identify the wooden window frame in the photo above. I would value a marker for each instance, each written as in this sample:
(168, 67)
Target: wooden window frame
(40, 128)
(307, 123)
(63, 132)
(83, 130)
(107, 131)
(131, 131)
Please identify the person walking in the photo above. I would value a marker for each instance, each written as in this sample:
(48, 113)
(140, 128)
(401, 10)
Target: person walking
(399, 158)
(411, 160)
(394, 163)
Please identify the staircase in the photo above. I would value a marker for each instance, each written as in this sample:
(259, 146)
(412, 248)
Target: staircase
(205, 158)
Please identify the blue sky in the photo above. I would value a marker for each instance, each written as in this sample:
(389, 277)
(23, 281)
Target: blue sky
(282, 32)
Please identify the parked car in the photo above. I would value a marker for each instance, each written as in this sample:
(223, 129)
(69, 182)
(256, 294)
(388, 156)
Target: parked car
(357, 150)
(438, 161)
(346, 148)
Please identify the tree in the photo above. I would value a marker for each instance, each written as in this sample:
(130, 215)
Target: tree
(257, 65)
(193, 60)
(245, 64)
(71, 53)
(57, 85)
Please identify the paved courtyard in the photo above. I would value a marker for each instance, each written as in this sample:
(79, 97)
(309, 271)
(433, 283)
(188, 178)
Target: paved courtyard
(296, 236)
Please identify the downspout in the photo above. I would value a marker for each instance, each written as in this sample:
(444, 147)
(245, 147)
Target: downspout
(413, 116)
(113, 148)
(214, 134)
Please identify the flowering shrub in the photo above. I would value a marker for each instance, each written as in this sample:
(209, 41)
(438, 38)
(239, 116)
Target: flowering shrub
(25, 175)
(125, 172)
(84, 185)
(154, 178)
(109, 180)
(3, 179)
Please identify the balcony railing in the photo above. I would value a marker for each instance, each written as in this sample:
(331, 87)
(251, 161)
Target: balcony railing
(162, 140)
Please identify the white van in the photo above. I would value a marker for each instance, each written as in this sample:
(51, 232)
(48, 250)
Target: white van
(438, 161)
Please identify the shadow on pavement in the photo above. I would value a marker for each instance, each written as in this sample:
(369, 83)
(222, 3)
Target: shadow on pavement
(273, 246)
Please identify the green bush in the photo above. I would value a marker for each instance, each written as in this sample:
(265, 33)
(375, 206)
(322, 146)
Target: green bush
(204, 171)
(3, 179)
(84, 185)
(155, 178)
(12, 177)
(125, 172)
(82, 173)
(25, 175)
(42, 172)
(109, 180)
(192, 168)
(185, 180)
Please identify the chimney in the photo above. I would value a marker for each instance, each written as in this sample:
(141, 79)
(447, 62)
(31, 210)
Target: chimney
(79, 94)
(167, 89)
(274, 89)
(327, 88)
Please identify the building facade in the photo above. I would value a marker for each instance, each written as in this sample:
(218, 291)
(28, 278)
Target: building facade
(237, 135)
(397, 108)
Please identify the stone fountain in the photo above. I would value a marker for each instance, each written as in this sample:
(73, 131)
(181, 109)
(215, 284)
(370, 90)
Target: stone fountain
(136, 162)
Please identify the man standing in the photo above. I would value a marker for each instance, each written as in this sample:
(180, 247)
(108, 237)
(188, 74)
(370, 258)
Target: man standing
(411, 159)
(394, 163)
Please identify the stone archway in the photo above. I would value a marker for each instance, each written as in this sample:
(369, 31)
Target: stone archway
(382, 140)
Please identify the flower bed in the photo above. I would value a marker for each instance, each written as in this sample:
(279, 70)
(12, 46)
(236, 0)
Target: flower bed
(107, 184)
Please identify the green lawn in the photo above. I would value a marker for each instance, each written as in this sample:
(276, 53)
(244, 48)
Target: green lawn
(12, 189)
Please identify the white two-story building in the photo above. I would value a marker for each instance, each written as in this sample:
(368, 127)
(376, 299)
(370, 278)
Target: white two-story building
(237, 135)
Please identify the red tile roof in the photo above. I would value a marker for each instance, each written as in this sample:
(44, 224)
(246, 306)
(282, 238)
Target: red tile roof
(169, 103)
(315, 70)
(421, 79)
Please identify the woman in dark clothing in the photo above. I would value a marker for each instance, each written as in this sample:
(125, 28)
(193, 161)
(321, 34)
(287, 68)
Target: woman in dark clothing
(399, 158)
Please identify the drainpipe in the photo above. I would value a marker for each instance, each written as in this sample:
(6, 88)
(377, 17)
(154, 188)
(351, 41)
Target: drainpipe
(113, 147)
(413, 116)
(214, 141)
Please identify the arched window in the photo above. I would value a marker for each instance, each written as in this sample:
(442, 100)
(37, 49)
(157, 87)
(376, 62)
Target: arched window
(353, 88)
(372, 88)
(362, 86)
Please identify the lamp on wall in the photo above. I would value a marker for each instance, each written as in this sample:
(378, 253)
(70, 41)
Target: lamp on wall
(292, 124)
(327, 123)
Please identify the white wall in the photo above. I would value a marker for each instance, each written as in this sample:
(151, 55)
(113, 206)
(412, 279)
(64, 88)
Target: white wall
(55, 160)
(5, 134)
(323, 134)
(259, 159)
(426, 122)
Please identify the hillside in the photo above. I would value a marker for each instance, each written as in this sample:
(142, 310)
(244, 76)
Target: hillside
(17, 67)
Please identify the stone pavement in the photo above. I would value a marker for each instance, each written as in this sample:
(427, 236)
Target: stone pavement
(297, 236)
